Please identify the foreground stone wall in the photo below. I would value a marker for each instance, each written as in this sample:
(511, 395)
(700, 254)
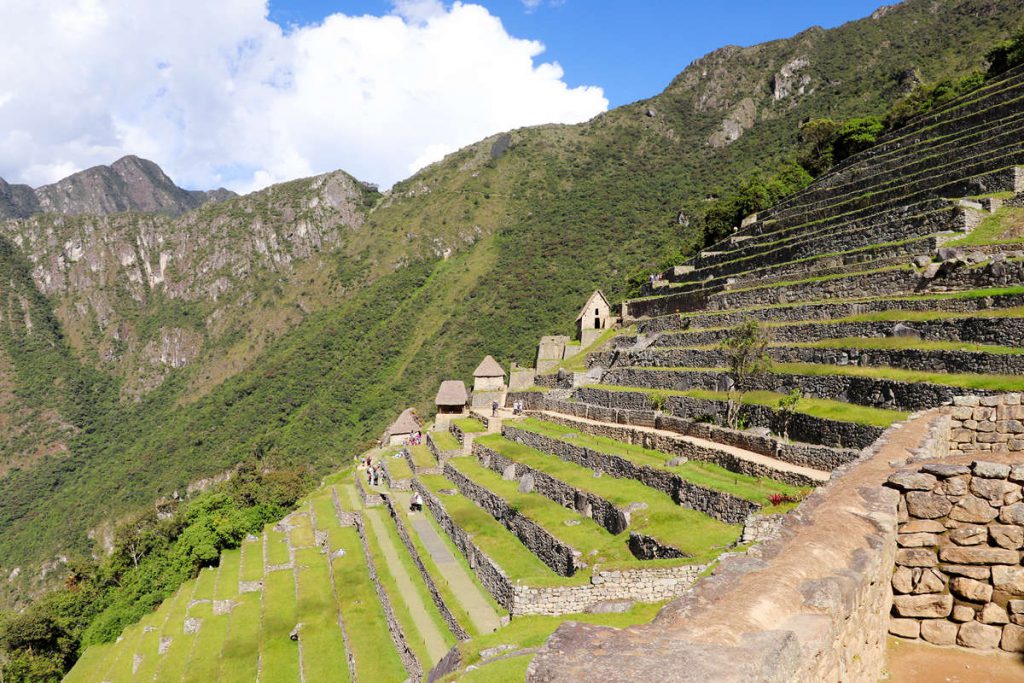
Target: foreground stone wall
(987, 423)
(811, 604)
(959, 578)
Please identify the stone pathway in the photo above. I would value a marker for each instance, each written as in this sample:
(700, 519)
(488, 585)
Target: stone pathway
(428, 630)
(469, 594)
(914, 662)
(749, 456)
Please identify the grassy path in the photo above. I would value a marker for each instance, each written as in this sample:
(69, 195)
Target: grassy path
(480, 611)
(432, 638)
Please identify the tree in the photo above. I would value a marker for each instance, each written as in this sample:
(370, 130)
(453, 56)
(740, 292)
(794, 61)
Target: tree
(787, 406)
(746, 351)
(1006, 55)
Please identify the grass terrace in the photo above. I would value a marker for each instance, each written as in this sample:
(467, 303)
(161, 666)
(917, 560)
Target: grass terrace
(470, 425)
(1004, 226)
(398, 468)
(693, 533)
(323, 648)
(898, 343)
(445, 441)
(493, 538)
(709, 475)
(422, 457)
(815, 407)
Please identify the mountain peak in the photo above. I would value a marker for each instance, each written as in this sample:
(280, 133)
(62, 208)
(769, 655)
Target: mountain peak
(129, 184)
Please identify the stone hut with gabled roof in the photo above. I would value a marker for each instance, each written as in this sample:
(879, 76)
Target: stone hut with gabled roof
(595, 317)
(400, 430)
(488, 376)
(452, 397)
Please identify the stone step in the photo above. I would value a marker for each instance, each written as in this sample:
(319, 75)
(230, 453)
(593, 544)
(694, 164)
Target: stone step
(848, 384)
(701, 415)
(897, 308)
(909, 358)
(655, 437)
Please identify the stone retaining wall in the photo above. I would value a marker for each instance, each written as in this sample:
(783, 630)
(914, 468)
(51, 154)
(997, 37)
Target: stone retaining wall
(370, 499)
(439, 453)
(959, 576)
(718, 504)
(405, 653)
(987, 423)
(559, 556)
(395, 484)
(453, 625)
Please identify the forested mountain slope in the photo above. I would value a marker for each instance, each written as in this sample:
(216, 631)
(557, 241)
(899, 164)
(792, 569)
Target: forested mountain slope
(287, 326)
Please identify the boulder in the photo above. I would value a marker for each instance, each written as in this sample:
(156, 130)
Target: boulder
(901, 330)
(939, 631)
(979, 636)
(922, 260)
(944, 470)
(526, 483)
(930, 606)
(912, 481)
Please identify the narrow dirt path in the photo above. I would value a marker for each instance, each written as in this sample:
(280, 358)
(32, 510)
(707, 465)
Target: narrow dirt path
(435, 644)
(468, 593)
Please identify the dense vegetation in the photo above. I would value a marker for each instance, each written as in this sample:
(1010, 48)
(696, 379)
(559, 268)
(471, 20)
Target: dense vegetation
(368, 327)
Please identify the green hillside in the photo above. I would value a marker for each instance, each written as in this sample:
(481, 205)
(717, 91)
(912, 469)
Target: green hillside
(302, 363)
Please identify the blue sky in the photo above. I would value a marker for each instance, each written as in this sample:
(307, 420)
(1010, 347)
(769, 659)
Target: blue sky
(632, 49)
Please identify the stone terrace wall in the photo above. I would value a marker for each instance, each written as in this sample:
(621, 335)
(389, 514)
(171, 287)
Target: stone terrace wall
(811, 604)
(441, 454)
(987, 423)
(959, 577)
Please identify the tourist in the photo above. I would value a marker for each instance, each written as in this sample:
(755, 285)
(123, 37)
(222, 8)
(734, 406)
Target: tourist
(494, 409)
(416, 505)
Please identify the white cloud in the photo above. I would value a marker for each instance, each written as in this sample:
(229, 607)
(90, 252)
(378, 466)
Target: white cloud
(218, 94)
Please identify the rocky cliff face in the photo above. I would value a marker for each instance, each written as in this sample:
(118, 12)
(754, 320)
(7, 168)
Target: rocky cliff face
(128, 184)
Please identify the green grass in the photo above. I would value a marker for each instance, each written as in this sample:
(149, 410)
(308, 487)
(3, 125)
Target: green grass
(228, 573)
(422, 457)
(279, 654)
(301, 535)
(372, 648)
(578, 361)
(469, 425)
(121, 658)
(1004, 226)
(172, 609)
(899, 343)
(398, 468)
(491, 537)
(323, 508)
(501, 670)
(398, 602)
(252, 560)
(277, 547)
(694, 533)
(171, 664)
(926, 316)
(445, 441)
(239, 655)
(532, 631)
(204, 661)
(205, 583)
(815, 407)
(91, 665)
(323, 648)
(963, 381)
(709, 475)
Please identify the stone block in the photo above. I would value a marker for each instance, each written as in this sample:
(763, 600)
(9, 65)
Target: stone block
(1012, 514)
(971, 590)
(916, 557)
(989, 401)
(932, 606)
(962, 613)
(903, 580)
(929, 581)
(990, 470)
(905, 628)
(979, 636)
(939, 631)
(1017, 473)
(919, 540)
(922, 526)
(969, 535)
(1008, 536)
(912, 481)
(992, 613)
(972, 509)
(982, 414)
(1013, 638)
(1016, 606)
(944, 470)
(966, 401)
(955, 486)
(961, 412)
(1008, 579)
(928, 505)
(977, 573)
(992, 490)
(978, 555)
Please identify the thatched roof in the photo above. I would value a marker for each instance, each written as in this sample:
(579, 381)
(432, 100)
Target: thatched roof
(489, 368)
(407, 423)
(452, 393)
(596, 297)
